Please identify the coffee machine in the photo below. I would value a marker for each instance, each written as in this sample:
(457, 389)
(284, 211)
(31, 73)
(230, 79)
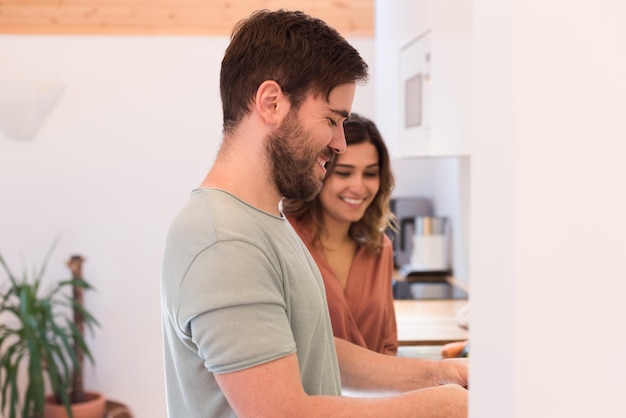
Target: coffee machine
(406, 210)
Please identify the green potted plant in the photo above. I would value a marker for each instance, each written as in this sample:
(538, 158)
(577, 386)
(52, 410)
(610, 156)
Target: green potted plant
(42, 333)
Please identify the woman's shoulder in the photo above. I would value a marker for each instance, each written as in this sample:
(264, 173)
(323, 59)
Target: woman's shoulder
(301, 226)
(386, 240)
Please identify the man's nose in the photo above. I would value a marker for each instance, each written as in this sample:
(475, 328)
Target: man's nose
(338, 141)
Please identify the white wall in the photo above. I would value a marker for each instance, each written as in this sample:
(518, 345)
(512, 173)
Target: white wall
(136, 129)
(547, 268)
(546, 210)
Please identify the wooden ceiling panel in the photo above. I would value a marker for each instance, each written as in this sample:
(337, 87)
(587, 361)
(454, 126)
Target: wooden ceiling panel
(169, 17)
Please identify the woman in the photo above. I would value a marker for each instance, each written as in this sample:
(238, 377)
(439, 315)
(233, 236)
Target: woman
(344, 229)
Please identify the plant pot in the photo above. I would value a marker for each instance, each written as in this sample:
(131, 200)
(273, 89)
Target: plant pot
(93, 407)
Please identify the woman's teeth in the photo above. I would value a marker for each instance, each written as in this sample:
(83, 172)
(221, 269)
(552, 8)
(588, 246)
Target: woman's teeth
(352, 201)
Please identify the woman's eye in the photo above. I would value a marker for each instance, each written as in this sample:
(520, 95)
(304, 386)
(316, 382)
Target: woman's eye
(372, 174)
(342, 173)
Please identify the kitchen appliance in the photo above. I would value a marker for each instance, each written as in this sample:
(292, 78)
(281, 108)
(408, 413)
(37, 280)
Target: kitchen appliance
(430, 245)
(421, 250)
(406, 210)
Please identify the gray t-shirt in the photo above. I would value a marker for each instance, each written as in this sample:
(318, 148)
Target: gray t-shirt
(239, 289)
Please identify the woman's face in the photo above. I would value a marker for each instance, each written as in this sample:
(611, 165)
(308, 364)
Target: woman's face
(352, 184)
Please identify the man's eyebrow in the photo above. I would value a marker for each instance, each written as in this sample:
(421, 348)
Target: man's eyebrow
(342, 113)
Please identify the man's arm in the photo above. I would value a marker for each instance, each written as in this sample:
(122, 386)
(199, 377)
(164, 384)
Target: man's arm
(363, 369)
(274, 390)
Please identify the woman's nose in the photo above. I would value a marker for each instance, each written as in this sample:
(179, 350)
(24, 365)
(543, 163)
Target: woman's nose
(356, 183)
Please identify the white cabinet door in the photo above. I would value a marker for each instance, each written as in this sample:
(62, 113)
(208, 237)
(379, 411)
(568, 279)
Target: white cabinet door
(434, 83)
(415, 100)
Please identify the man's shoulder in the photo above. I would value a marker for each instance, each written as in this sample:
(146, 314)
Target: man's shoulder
(218, 202)
(225, 217)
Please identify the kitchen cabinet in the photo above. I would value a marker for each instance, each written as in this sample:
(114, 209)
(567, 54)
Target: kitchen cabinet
(431, 40)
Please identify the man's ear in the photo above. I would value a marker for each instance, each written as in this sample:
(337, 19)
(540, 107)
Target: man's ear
(271, 103)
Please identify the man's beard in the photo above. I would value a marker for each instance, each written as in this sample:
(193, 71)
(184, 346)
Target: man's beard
(292, 160)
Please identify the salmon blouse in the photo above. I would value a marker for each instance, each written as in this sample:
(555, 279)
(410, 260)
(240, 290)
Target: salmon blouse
(363, 312)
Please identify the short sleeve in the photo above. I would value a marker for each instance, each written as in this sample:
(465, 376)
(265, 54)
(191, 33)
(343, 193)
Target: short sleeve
(234, 309)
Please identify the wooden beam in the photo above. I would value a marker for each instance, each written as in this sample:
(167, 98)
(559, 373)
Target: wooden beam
(169, 17)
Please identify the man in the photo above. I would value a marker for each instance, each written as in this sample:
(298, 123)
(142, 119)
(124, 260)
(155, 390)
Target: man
(246, 324)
